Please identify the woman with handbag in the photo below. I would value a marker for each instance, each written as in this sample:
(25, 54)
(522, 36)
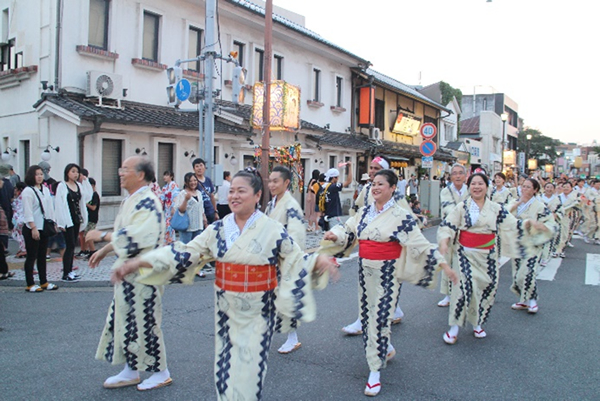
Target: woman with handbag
(189, 202)
(71, 213)
(38, 216)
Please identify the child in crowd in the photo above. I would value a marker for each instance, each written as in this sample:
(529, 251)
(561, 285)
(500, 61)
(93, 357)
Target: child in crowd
(17, 219)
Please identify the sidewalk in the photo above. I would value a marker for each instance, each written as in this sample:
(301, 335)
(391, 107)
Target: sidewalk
(100, 276)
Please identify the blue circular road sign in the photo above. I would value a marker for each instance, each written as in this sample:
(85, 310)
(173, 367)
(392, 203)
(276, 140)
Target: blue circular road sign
(428, 148)
(183, 89)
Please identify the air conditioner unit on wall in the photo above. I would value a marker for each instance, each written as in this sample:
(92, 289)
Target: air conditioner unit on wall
(375, 134)
(104, 85)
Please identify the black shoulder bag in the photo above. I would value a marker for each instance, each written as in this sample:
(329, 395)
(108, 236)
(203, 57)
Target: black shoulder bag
(49, 228)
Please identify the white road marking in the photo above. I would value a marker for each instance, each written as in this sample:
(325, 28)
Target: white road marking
(592, 269)
(503, 260)
(549, 271)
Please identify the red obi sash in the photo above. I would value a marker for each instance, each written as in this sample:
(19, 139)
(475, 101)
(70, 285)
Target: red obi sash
(374, 250)
(477, 241)
(245, 278)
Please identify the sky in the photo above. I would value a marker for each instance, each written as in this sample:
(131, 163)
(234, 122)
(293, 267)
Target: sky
(543, 54)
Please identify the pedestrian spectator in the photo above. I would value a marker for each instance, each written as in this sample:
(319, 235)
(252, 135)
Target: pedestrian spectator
(206, 186)
(402, 183)
(333, 205)
(190, 201)
(416, 208)
(311, 209)
(86, 192)
(93, 209)
(71, 213)
(413, 186)
(17, 232)
(4, 273)
(37, 205)
(223, 192)
(167, 195)
(7, 192)
(132, 335)
(13, 176)
(156, 188)
(48, 181)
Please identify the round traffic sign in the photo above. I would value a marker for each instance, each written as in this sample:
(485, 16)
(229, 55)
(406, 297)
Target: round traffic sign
(183, 89)
(428, 130)
(428, 148)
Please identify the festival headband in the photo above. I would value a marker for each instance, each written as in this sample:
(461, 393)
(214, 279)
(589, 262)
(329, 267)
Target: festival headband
(381, 161)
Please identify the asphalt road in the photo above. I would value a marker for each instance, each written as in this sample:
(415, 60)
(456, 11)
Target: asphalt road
(48, 342)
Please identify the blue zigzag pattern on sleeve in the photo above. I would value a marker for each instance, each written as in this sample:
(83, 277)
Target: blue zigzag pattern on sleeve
(430, 264)
(221, 243)
(298, 294)
(363, 221)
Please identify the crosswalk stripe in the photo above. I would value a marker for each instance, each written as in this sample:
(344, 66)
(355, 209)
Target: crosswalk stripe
(549, 271)
(592, 269)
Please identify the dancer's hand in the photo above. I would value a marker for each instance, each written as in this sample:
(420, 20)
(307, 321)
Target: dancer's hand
(130, 266)
(452, 276)
(326, 263)
(97, 256)
(329, 236)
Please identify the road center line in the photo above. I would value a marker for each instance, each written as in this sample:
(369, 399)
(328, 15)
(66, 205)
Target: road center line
(549, 271)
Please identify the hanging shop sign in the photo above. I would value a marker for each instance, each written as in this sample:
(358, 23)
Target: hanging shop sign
(406, 124)
(285, 106)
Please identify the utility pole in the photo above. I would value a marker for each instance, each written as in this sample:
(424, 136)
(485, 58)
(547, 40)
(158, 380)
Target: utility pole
(266, 148)
(209, 68)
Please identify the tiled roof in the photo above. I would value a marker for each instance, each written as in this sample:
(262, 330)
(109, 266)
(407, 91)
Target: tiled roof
(144, 114)
(360, 142)
(403, 88)
(469, 126)
(294, 26)
(454, 145)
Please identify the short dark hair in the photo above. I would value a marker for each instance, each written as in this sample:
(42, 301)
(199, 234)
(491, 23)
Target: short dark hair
(170, 173)
(145, 166)
(389, 175)
(226, 174)
(285, 172)
(253, 179)
(549, 183)
(483, 177)
(84, 172)
(68, 168)
(20, 185)
(30, 175)
(92, 181)
(198, 160)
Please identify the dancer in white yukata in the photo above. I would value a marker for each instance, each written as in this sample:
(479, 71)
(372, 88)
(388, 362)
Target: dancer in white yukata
(477, 222)
(525, 270)
(132, 334)
(571, 206)
(260, 271)
(365, 198)
(499, 193)
(553, 203)
(451, 196)
(590, 201)
(391, 250)
(284, 209)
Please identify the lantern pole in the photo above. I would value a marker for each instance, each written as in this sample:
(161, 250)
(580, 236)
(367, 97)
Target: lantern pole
(266, 132)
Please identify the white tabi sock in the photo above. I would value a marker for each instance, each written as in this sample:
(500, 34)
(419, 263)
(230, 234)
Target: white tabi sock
(453, 332)
(155, 379)
(398, 314)
(373, 378)
(532, 303)
(126, 374)
(356, 326)
(476, 328)
(291, 342)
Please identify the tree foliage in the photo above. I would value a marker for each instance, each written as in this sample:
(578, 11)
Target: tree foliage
(448, 92)
(541, 147)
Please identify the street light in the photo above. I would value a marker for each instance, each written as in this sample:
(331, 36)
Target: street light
(527, 153)
(504, 117)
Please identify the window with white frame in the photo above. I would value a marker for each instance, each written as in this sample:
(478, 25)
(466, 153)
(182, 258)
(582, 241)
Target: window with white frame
(26, 156)
(165, 160)
(194, 47)
(316, 81)
(239, 47)
(9, 59)
(448, 132)
(339, 92)
(278, 67)
(112, 153)
(98, 24)
(259, 65)
(332, 161)
(150, 36)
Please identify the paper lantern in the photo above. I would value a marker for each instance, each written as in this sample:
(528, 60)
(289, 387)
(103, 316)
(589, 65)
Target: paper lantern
(285, 106)
(532, 164)
(578, 162)
(548, 168)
